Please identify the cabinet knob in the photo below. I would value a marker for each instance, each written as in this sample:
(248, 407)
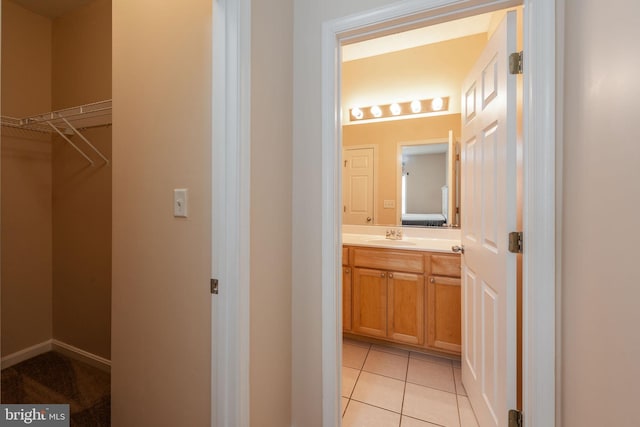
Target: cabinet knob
(346, 270)
(381, 274)
(432, 280)
(391, 275)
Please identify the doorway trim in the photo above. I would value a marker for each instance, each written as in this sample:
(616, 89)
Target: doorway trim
(539, 186)
(230, 210)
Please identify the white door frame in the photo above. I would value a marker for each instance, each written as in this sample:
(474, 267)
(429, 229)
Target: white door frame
(539, 184)
(231, 167)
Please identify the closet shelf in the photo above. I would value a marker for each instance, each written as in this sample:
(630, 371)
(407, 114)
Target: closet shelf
(67, 122)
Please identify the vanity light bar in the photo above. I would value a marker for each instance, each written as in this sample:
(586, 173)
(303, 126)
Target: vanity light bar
(396, 109)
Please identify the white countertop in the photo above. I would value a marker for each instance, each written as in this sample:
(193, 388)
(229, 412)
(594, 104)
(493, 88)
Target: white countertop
(406, 243)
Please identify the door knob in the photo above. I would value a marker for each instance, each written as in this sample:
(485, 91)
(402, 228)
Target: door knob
(368, 219)
(458, 249)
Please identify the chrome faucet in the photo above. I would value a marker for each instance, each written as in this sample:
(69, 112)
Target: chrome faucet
(393, 234)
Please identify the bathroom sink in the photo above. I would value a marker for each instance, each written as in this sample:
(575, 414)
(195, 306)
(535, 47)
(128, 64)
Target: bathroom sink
(390, 242)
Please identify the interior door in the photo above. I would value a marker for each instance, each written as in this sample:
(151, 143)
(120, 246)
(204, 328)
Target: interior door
(489, 198)
(357, 186)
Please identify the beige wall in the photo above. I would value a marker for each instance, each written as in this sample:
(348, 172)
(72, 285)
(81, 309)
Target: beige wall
(271, 127)
(385, 136)
(417, 73)
(26, 182)
(600, 292)
(161, 325)
(81, 69)
(82, 194)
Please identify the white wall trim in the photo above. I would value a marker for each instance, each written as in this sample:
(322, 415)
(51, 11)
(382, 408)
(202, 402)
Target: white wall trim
(81, 355)
(539, 213)
(231, 120)
(62, 347)
(539, 204)
(25, 354)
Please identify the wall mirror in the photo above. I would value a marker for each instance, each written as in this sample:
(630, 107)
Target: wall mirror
(427, 184)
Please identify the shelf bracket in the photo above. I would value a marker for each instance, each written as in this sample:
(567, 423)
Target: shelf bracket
(85, 140)
(59, 132)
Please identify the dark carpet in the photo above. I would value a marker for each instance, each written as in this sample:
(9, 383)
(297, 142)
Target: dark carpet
(52, 378)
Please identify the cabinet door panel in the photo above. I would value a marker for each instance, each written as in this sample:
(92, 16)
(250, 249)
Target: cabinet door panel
(369, 302)
(346, 298)
(444, 314)
(406, 307)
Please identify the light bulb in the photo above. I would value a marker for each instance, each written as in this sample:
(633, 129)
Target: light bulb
(416, 106)
(395, 109)
(436, 104)
(357, 113)
(376, 111)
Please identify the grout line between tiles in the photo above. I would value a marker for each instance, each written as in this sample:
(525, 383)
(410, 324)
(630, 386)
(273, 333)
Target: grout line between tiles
(378, 407)
(424, 421)
(346, 406)
(432, 388)
(404, 392)
(459, 414)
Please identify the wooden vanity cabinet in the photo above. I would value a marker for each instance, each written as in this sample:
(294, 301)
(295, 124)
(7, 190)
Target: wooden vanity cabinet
(403, 296)
(346, 291)
(388, 302)
(444, 324)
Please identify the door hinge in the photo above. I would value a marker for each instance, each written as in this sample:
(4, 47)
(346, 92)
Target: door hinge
(515, 418)
(515, 63)
(214, 286)
(515, 242)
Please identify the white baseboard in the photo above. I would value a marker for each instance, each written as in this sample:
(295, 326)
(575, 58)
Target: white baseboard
(61, 347)
(27, 353)
(81, 355)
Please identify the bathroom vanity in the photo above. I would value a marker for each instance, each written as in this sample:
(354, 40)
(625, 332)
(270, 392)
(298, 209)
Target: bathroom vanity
(400, 292)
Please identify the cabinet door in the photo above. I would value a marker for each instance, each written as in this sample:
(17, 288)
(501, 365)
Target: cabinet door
(444, 315)
(406, 307)
(346, 298)
(369, 302)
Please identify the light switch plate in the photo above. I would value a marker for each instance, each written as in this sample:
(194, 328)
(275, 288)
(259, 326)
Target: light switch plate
(180, 202)
(389, 204)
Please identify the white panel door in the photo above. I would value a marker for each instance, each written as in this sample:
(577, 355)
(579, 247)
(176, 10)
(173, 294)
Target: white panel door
(489, 201)
(357, 186)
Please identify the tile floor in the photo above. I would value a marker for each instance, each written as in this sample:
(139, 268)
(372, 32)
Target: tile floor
(388, 387)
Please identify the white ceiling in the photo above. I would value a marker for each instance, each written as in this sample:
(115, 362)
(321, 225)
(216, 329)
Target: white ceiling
(418, 37)
(51, 8)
